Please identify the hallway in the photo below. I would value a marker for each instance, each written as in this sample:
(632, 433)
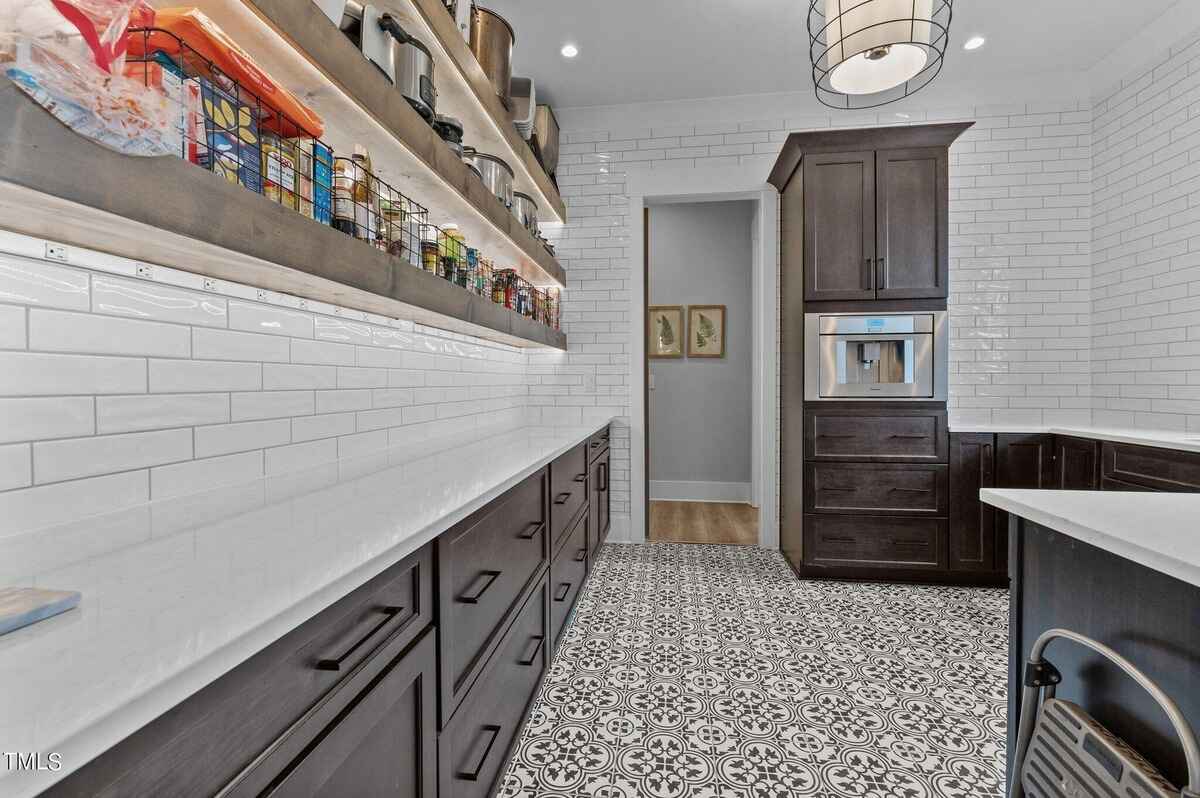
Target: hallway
(703, 522)
(694, 671)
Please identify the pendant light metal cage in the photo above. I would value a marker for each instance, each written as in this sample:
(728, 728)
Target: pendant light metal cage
(906, 23)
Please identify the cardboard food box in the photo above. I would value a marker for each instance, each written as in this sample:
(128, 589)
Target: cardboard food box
(234, 149)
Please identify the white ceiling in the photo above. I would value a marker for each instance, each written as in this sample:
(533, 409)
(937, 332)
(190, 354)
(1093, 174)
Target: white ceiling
(634, 51)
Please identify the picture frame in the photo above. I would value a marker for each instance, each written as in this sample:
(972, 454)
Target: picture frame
(665, 331)
(706, 331)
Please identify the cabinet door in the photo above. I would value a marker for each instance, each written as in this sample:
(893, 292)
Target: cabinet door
(595, 497)
(1022, 461)
(383, 743)
(1078, 464)
(972, 522)
(912, 240)
(605, 497)
(839, 226)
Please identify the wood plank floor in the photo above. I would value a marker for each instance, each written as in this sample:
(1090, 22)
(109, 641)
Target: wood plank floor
(703, 522)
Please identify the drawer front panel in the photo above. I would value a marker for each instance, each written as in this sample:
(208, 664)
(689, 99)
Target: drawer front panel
(472, 751)
(874, 542)
(901, 488)
(568, 492)
(485, 566)
(568, 574)
(863, 434)
(1159, 469)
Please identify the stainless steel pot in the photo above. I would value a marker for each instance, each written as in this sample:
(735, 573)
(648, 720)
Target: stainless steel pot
(450, 130)
(525, 209)
(492, 41)
(495, 173)
(545, 138)
(412, 65)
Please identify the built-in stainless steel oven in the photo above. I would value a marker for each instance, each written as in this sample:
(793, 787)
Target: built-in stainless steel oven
(893, 356)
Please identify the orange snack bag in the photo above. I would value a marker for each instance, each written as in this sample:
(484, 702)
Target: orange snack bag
(204, 36)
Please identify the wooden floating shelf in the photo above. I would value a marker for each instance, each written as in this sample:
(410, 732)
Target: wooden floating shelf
(57, 185)
(298, 45)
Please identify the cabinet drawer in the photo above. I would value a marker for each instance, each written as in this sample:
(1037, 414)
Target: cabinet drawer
(1108, 483)
(865, 433)
(567, 575)
(485, 565)
(598, 443)
(893, 488)
(568, 492)
(196, 747)
(874, 542)
(1159, 469)
(472, 751)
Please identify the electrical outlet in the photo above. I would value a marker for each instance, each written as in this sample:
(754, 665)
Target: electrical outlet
(210, 284)
(145, 271)
(302, 303)
(56, 252)
(262, 295)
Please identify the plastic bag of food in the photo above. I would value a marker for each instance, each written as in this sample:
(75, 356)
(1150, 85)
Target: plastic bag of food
(69, 56)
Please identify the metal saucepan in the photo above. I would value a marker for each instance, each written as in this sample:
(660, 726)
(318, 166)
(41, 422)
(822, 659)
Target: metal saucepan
(492, 41)
(526, 211)
(495, 173)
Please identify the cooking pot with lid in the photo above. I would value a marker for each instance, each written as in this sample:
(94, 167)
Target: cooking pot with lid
(492, 41)
(495, 173)
(525, 209)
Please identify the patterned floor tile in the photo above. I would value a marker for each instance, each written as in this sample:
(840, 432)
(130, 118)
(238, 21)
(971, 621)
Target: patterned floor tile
(694, 671)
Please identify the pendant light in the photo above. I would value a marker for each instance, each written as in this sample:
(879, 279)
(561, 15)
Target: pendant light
(867, 53)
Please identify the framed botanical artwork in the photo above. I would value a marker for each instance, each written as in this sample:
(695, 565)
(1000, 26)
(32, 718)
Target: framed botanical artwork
(706, 331)
(664, 331)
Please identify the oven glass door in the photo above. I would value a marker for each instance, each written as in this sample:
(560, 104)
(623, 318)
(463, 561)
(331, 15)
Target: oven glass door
(877, 366)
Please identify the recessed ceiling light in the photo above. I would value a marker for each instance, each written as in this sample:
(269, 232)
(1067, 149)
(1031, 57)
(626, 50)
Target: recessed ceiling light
(570, 51)
(974, 43)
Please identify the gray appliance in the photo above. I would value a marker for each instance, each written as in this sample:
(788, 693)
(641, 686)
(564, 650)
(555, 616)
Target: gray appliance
(403, 59)
(876, 356)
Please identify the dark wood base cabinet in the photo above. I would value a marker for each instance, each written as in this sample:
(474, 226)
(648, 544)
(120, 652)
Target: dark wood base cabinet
(415, 684)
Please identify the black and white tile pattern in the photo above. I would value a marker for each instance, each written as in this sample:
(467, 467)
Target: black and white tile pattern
(697, 671)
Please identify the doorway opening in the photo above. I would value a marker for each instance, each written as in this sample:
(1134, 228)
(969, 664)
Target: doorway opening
(699, 372)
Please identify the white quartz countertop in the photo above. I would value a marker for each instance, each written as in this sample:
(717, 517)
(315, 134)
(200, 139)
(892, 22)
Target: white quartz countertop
(178, 592)
(1157, 530)
(1162, 439)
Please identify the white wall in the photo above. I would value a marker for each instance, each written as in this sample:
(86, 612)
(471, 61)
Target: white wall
(116, 390)
(1146, 243)
(700, 408)
(1020, 243)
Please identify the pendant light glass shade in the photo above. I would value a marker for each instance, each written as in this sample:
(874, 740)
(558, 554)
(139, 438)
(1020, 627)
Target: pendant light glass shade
(871, 52)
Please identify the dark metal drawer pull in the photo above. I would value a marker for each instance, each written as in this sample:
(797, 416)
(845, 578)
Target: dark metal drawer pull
(919, 544)
(836, 488)
(473, 773)
(563, 590)
(531, 531)
(603, 477)
(839, 540)
(827, 435)
(562, 498)
(389, 612)
(481, 583)
(581, 477)
(581, 555)
(532, 658)
(918, 436)
(911, 490)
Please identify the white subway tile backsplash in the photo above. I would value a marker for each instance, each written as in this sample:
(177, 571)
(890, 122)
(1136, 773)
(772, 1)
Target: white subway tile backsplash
(271, 404)
(300, 456)
(342, 401)
(25, 281)
(61, 331)
(12, 327)
(46, 505)
(328, 425)
(195, 476)
(146, 300)
(354, 377)
(269, 319)
(241, 437)
(280, 377)
(45, 418)
(15, 468)
(57, 461)
(38, 374)
(212, 344)
(322, 353)
(194, 376)
(151, 411)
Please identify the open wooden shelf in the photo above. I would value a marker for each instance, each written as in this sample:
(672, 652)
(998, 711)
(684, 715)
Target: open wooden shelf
(57, 185)
(299, 46)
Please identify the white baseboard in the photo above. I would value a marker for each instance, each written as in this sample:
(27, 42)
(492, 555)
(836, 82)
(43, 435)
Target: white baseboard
(667, 490)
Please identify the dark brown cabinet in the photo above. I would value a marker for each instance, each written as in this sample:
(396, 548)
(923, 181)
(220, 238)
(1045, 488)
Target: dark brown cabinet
(871, 546)
(1147, 468)
(601, 503)
(1024, 460)
(876, 432)
(880, 488)
(875, 225)
(973, 541)
(1077, 464)
(568, 492)
(912, 190)
(567, 575)
(839, 226)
